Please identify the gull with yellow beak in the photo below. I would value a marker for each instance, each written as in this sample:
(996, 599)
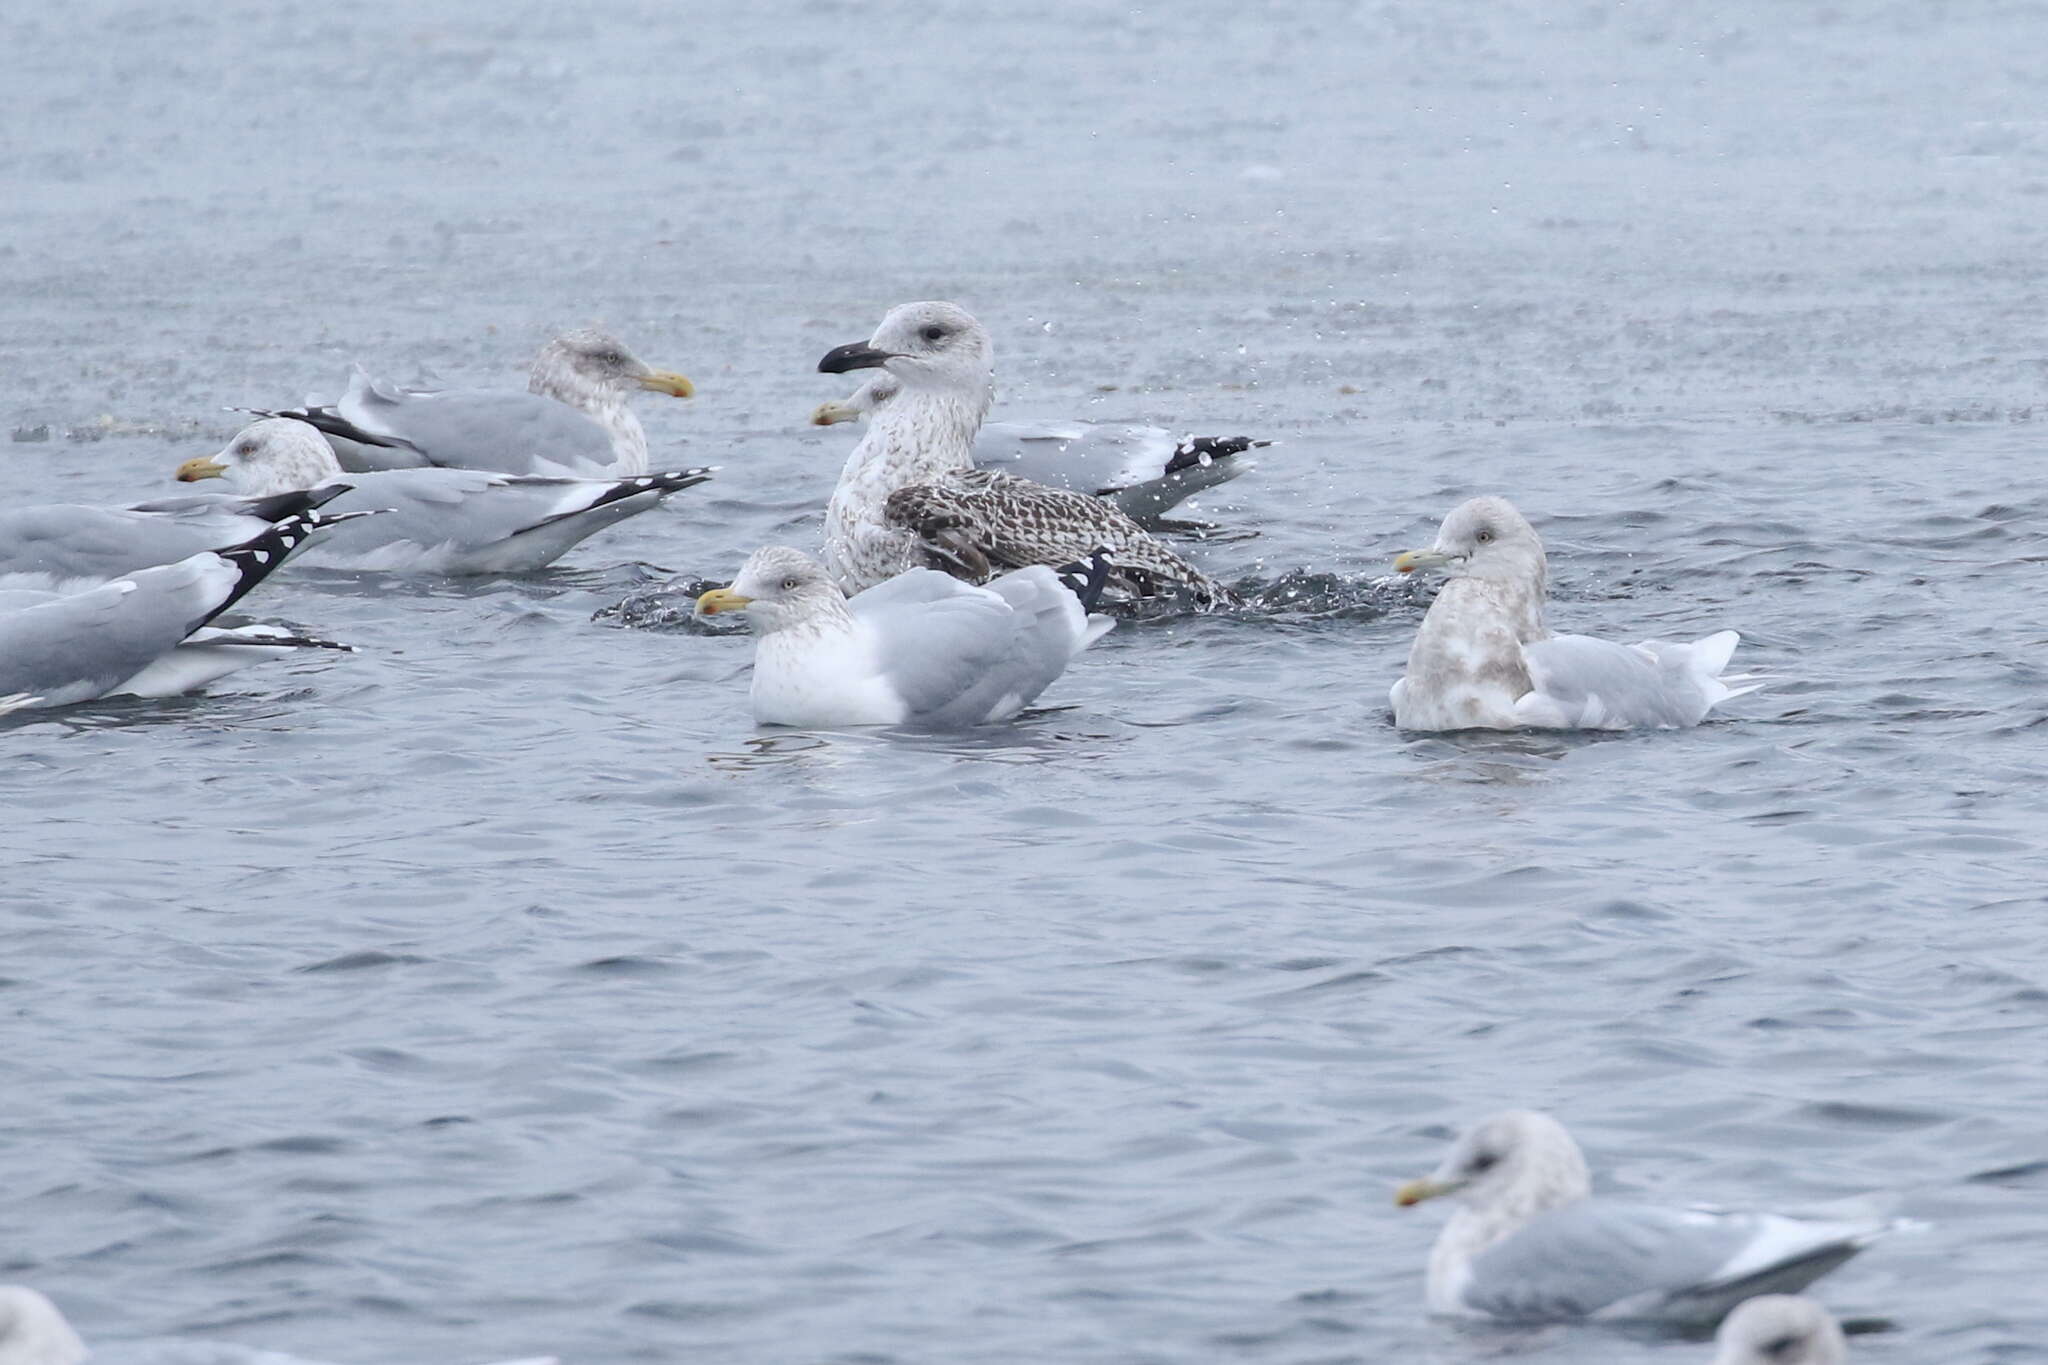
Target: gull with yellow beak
(573, 421)
(1484, 660)
(1530, 1242)
(453, 521)
(920, 649)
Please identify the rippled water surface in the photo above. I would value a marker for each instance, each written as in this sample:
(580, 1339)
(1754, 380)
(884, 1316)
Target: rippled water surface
(501, 989)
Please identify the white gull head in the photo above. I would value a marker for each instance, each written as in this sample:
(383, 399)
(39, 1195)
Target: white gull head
(275, 455)
(779, 589)
(33, 1332)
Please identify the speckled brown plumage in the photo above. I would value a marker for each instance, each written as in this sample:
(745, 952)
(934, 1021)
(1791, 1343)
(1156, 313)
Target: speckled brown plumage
(976, 523)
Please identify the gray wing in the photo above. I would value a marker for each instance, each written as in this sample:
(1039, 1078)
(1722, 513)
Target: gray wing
(960, 655)
(1579, 682)
(506, 430)
(1575, 1261)
(980, 518)
(1144, 470)
(1606, 1258)
(472, 521)
(939, 644)
(68, 544)
(83, 645)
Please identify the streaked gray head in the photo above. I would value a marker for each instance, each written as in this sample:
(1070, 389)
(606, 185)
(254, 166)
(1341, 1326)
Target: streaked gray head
(33, 1332)
(777, 588)
(589, 366)
(596, 355)
(1513, 1156)
(1780, 1329)
(1487, 538)
(275, 455)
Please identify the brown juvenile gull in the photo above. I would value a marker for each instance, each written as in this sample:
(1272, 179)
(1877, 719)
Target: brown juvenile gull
(921, 649)
(1484, 660)
(1780, 1329)
(453, 521)
(573, 420)
(1530, 1243)
(1145, 470)
(34, 1332)
(911, 498)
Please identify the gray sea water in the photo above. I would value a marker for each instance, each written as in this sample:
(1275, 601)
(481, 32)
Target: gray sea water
(501, 990)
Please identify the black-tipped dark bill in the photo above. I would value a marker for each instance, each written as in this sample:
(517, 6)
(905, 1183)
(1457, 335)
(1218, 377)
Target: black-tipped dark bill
(855, 355)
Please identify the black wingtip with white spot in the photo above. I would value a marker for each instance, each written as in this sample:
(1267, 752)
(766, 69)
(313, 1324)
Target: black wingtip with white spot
(1205, 450)
(1086, 578)
(259, 556)
(664, 483)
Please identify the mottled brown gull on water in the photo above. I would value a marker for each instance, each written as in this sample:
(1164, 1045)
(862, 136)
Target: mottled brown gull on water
(910, 497)
(1145, 470)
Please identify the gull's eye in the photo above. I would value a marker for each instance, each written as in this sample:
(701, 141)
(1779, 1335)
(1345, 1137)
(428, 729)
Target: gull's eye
(1781, 1348)
(1484, 537)
(610, 358)
(791, 584)
(933, 333)
(1481, 1164)
(246, 448)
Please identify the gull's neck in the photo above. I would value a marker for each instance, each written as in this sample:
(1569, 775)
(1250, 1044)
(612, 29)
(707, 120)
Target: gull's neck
(1516, 606)
(918, 435)
(1474, 1228)
(827, 615)
(603, 403)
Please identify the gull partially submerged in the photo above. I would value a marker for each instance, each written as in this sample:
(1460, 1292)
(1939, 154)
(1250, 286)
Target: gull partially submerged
(573, 420)
(1780, 1329)
(1530, 1243)
(67, 546)
(910, 496)
(1144, 470)
(919, 649)
(1483, 658)
(455, 521)
(34, 1332)
(148, 633)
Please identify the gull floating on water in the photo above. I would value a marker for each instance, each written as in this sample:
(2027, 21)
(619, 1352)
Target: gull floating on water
(1484, 660)
(66, 546)
(920, 649)
(148, 634)
(34, 1332)
(1530, 1243)
(910, 496)
(1780, 1329)
(455, 521)
(572, 422)
(1144, 470)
